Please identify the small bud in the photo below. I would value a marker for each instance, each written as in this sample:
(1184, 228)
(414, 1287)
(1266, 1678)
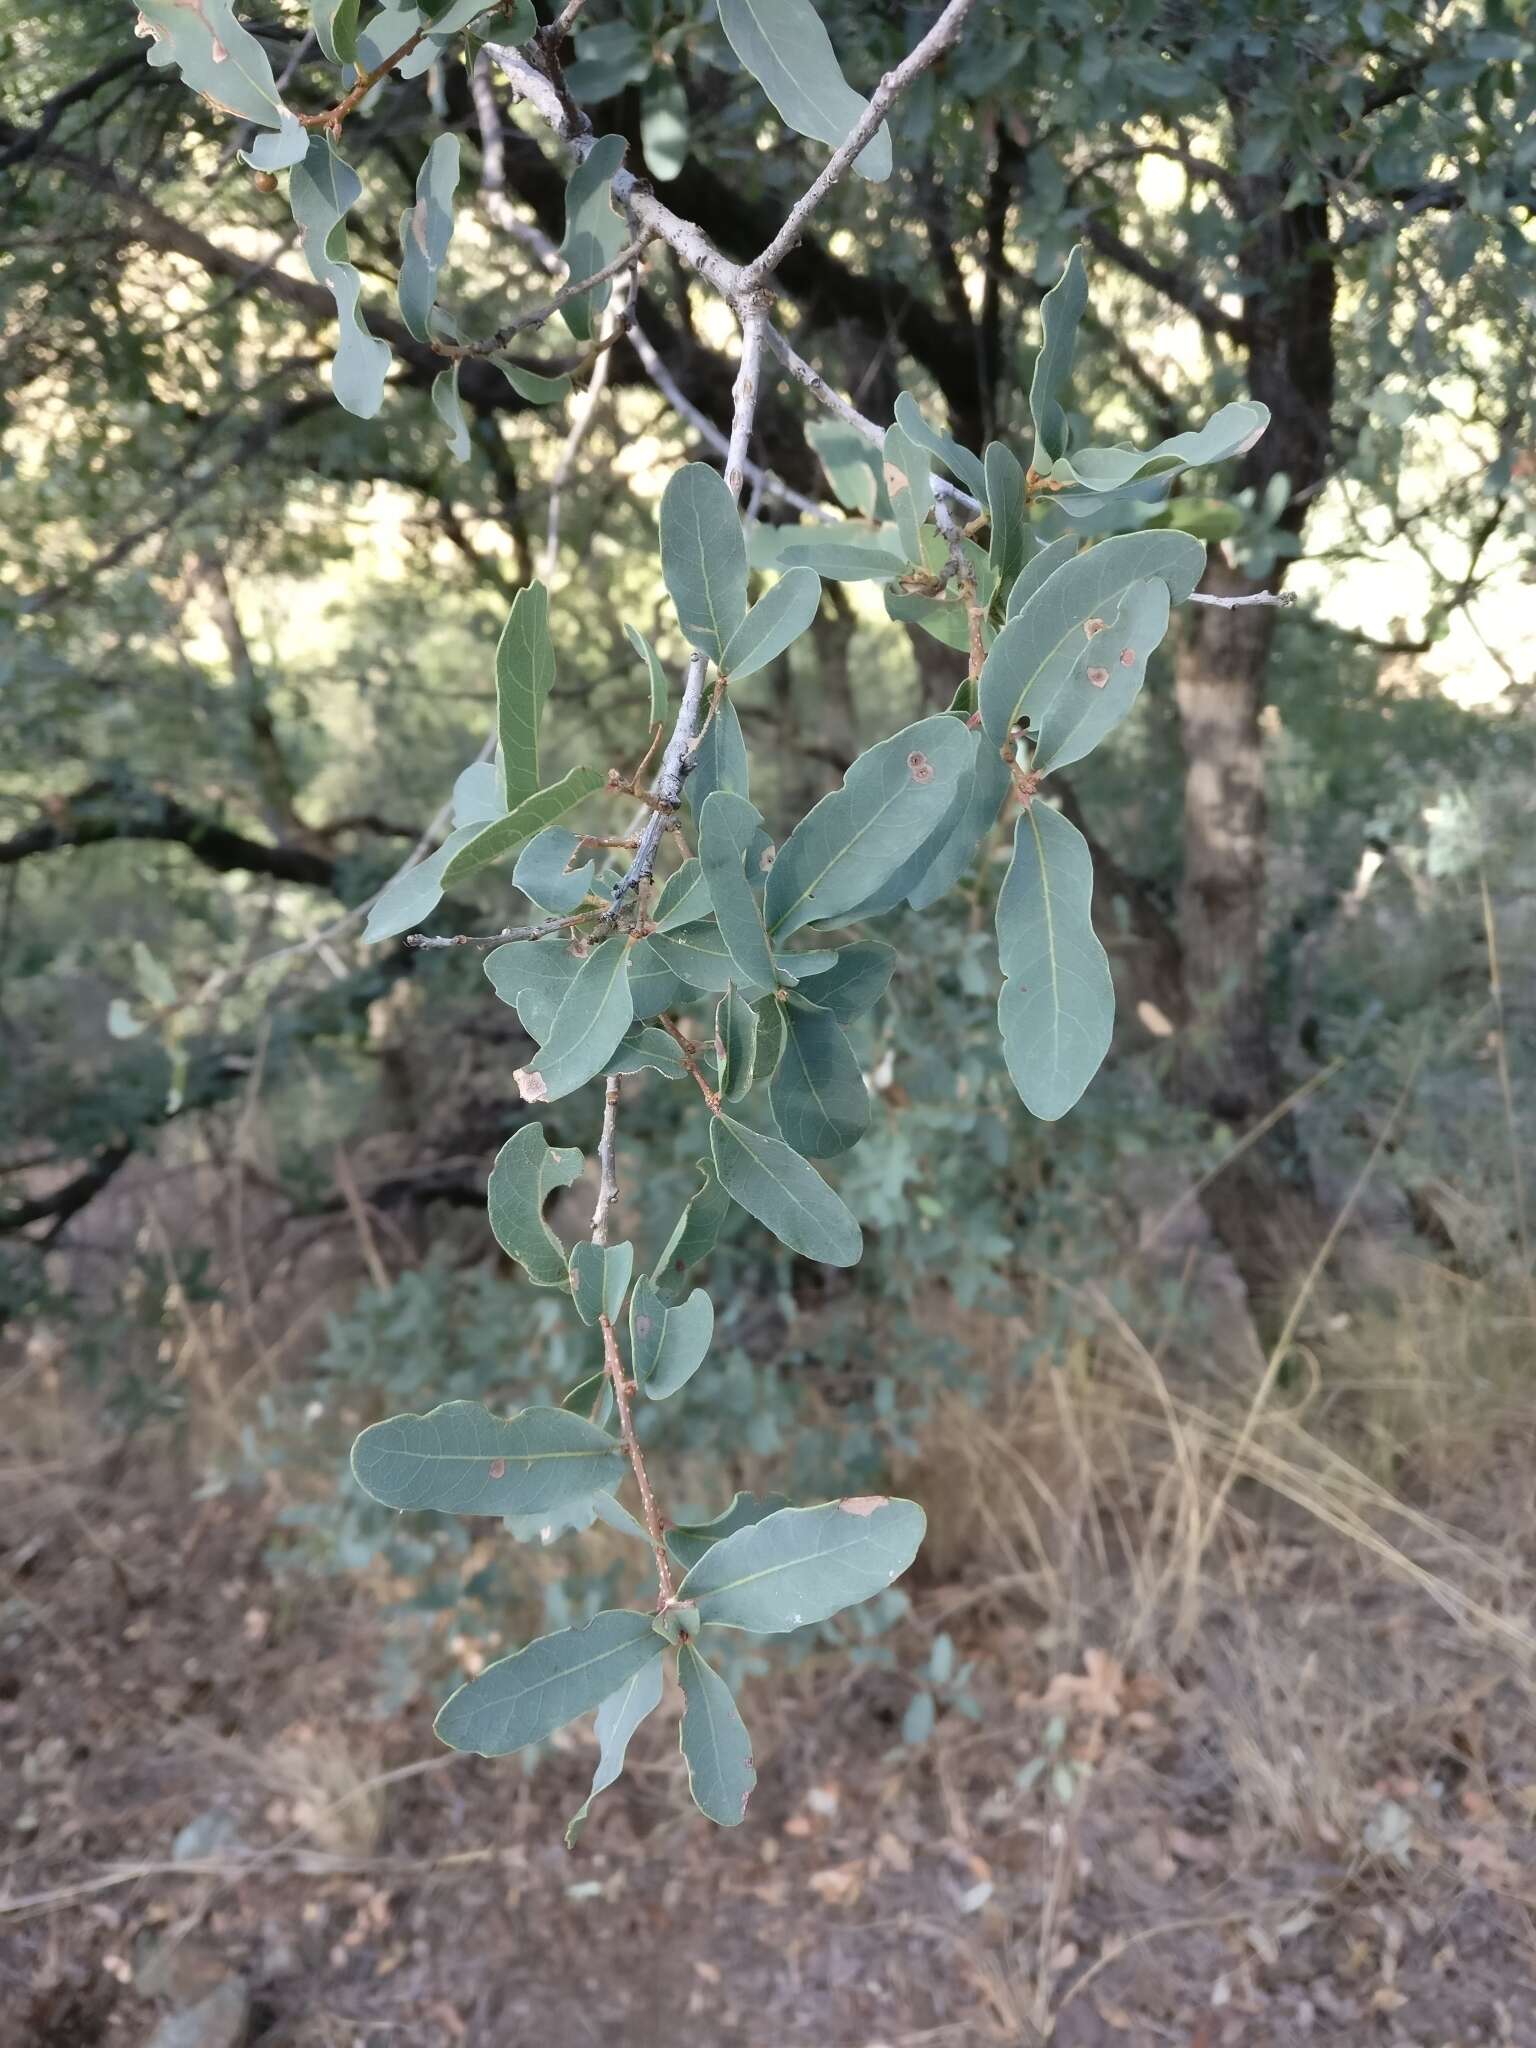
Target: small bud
(264, 181)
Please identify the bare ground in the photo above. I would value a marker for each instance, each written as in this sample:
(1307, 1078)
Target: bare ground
(1300, 1815)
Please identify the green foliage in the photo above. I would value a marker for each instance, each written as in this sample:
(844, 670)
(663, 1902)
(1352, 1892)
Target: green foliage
(788, 51)
(463, 1460)
(1057, 1009)
(714, 1741)
(803, 1565)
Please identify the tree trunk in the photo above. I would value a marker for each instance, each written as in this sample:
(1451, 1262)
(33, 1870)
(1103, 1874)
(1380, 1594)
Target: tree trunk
(1220, 673)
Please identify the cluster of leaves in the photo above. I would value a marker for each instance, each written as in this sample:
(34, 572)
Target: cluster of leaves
(762, 936)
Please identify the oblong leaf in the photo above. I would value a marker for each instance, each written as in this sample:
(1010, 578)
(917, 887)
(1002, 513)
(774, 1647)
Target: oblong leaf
(735, 1043)
(594, 1014)
(1061, 313)
(1050, 634)
(533, 976)
(410, 898)
(817, 1096)
(987, 785)
(785, 1193)
(617, 1719)
(728, 828)
(788, 51)
(719, 760)
(1053, 556)
(1008, 515)
(546, 877)
(426, 230)
(525, 675)
(804, 1565)
(463, 1460)
(321, 191)
(910, 488)
(654, 986)
(532, 1693)
(700, 958)
(688, 1541)
(1095, 697)
(715, 1743)
(642, 1047)
(963, 466)
(704, 557)
(771, 1033)
(668, 1340)
(526, 1173)
(655, 673)
(693, 1235)
(594, 233)
(505, 835)
(845, 556)
(851, 843)
(784, 611)
(600, 1279)
(1057, 1009)
(1233, 427)
(684, 899)
(449, 408)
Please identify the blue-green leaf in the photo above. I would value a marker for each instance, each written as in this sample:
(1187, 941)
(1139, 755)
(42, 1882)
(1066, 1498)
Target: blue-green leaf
(784, 611)
(817, 1096)
(463, 1460)
(532, 815)
(654, 986)
(322, 190)
(1093, 699)
(530, 385)
(784, 1193)
(528, 1696)
(667, 1340)
(963, 466)
(1226, 432)
(688, 1542)
(545, 875)
(643, 1046)
(851, 843)
(852, 466)
(693, 1235)
(911, 490)
(533, 975)
(220, 59)
(704, 557)
(1057, 1008)
(410, 898)
(617, 1719)
(477, 795)
(1048, 637)
(846, 553)
(684, 899)
(771, 1033)
(1061, 313)
(525, 675)
(850, 981)
(735, 1043)
(715, 1743)
(449, 408)
(1053, 556)
(719, 760)
(426, 230)
(1008, 513)
(600, 1275)
(803, 1565)
(986, 786)
(594, 233)
(664, 125)
(526, 1173)
(788, 51)
(728, 827)
(594, 1014)
(700, 958)
(654, 670)
(336, 28)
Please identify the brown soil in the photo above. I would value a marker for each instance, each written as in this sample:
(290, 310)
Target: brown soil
(1312, 1827)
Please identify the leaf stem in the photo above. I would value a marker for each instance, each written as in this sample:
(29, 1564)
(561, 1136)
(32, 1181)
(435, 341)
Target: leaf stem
(613, 1362)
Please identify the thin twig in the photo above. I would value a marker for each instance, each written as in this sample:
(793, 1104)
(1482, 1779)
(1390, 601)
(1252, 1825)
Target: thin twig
(1282, 598)
(941, 37)
(667, 791)
(420, 943)
(688, 1052)
(494, 344)
(700, 421)
(613, 1363)
(585, 413)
